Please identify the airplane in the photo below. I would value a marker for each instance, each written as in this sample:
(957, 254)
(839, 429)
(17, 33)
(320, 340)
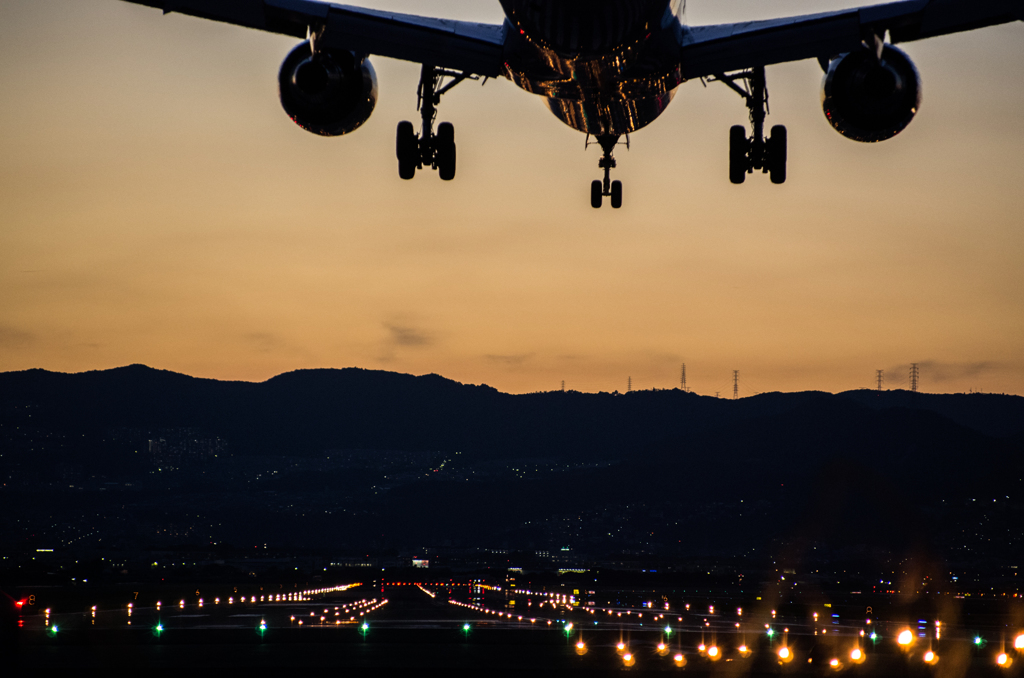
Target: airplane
(606, 68)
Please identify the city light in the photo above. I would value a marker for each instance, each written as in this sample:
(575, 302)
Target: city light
(1003, 660)
(713, 653)
(662, 649)
(628, 659)
(784, 654)
(834, 663)
(620, 647)
(905, 638)
(581, 647)
(679, 659)
(930, 657)
(1018, 642)
(857, 655)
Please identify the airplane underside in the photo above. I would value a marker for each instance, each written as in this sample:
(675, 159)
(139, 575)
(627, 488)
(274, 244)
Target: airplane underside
(606, 68)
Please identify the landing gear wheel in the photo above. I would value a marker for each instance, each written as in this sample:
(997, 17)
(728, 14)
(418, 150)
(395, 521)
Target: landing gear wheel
(596, 194)
(777, 154)
(738, 153)
(407, 149)
(616, 194)
(445, 158)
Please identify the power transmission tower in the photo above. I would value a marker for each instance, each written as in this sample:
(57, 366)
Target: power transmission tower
(629, 385)
(735, 384)
(914, 374)
(683, 379)
(563, 386)
(880, 378)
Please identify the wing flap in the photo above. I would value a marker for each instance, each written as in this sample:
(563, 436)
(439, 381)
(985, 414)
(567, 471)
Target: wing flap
(707, 50)
(460, 45)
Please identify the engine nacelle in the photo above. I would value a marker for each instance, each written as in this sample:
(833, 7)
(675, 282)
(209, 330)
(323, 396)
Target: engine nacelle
(329, 93)
(870, 99)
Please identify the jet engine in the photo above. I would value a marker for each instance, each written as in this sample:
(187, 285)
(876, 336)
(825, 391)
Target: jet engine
(870, 99)
(328, 93)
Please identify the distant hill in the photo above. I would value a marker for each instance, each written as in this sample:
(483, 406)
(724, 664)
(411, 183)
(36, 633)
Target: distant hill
(309, 411)
(818, 463)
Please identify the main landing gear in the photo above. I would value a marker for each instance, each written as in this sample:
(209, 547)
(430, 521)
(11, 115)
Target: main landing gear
(599, 190)
(436, 151)
(755, 153)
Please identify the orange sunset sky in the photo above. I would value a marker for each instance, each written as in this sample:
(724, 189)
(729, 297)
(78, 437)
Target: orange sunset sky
(158, 207)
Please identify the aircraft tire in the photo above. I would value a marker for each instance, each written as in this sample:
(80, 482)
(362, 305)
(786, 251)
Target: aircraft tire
(616, 194)
(738, 150)
(596, 197)
(778, 154)
(406, 148)
(446, 155)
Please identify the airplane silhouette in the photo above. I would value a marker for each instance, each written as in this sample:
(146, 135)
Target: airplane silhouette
(604, 67)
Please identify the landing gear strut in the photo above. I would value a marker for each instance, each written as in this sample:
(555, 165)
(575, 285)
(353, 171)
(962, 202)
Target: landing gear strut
(756, 152)
(436, 151)
(607, 188)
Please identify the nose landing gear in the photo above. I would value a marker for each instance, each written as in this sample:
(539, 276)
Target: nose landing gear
(599, 190)
(756, 152)
(436, 151)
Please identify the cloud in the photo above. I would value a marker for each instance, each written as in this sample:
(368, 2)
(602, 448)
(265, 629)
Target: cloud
(509, 360)
(937, 372)
(264, 341)
(12, 337)
(403, 335)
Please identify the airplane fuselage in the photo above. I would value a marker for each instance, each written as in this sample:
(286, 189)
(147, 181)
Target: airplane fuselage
(605, 67)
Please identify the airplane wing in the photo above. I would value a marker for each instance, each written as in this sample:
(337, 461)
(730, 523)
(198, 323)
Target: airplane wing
(707, 50)
(459, 45)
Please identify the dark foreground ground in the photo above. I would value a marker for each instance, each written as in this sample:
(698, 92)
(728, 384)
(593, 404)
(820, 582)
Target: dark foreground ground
(419, 636)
